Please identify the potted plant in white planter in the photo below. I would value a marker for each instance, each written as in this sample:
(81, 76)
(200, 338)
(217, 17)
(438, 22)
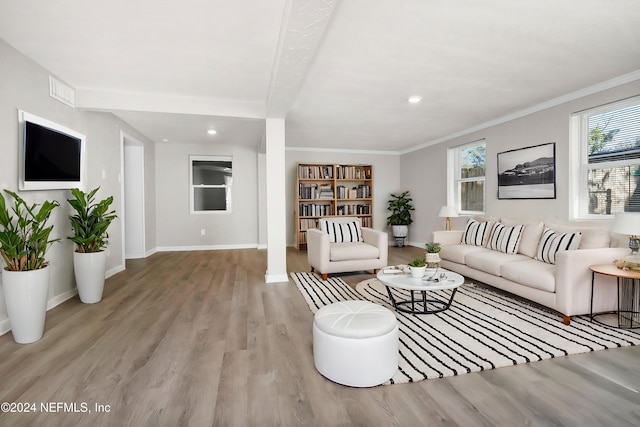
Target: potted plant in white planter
(24, 241)
(433, 254)
(417, 267)
(90, 224)
(400, 207)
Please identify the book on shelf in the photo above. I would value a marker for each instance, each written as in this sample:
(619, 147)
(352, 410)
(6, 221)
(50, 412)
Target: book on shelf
(353, 209)
(314, 209)
(325, 191)
(315, 171)
(308, 191)
(362, 191)
(352, 172)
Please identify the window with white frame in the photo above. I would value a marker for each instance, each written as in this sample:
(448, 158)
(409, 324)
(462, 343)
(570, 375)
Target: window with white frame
(211, 183)
(466, 189)
(608, 171)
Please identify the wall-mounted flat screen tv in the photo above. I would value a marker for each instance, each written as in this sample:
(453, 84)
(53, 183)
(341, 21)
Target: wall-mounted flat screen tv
(52, 156)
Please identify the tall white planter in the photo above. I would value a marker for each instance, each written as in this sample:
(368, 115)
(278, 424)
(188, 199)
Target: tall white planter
(89, 270)
(25, 295)
(400, 232)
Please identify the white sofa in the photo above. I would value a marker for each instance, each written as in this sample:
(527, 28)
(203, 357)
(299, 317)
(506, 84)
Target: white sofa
(327, 256)
(564, 286)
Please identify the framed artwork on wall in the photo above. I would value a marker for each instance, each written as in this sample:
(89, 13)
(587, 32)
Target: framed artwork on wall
(528, 173)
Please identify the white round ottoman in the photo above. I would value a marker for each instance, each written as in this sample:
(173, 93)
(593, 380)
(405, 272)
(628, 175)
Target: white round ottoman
(355, 343)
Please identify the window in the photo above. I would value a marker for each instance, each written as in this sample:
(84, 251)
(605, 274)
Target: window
(466, 177)
(608, 170)
(211, 181)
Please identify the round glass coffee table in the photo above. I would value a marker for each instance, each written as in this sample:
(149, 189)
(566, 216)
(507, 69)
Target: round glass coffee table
(418, 303)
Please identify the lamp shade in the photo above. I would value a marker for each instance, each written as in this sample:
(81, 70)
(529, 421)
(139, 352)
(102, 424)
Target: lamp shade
(626, 223)
(448, 211)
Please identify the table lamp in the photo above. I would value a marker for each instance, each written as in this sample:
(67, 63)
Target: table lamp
(448, 212)
(629, 223)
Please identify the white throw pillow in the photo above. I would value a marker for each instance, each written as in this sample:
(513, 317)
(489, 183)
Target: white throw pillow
(341, 232)
(552, 242)
(476, 233)
(505, 239)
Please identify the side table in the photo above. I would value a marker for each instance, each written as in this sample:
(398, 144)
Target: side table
(628, 283)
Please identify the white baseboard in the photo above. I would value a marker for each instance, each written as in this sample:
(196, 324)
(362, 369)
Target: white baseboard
(5, 326)
(275, 278)
(115, 270)
(59, 299)
(205, 247)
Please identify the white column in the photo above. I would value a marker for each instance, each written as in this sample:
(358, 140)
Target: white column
(275, 191)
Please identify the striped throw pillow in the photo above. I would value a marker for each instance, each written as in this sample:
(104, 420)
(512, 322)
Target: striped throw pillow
(342, 232)
(552, 242)
(505, 239)
(476, 233)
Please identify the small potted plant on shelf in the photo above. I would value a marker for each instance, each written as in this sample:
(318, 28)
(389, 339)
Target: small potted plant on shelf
(433, 254)
(90, 224)
(417, 267)
(400, 206)
(24, 241)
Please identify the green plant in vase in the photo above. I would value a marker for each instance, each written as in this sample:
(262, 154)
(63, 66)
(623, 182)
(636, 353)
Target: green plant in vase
(90, 224)
(24, 241)
(433, 254)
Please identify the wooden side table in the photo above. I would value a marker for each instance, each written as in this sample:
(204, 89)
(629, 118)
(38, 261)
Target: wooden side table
(628, 283)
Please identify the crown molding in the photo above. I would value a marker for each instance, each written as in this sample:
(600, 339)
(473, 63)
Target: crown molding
(343, 150)
(599, 87)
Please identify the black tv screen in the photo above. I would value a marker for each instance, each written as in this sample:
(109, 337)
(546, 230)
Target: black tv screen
(51, 155)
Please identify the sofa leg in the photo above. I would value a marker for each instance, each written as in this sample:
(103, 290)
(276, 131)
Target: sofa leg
(375, 270)
(325, 276)
(566, 319)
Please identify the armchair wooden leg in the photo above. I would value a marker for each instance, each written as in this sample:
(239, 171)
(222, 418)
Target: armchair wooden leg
(566, 319)
(325, 276)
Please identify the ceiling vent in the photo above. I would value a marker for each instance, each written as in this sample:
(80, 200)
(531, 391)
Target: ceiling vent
(62, 92)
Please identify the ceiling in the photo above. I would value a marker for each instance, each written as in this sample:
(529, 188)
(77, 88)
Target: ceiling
(338, 71)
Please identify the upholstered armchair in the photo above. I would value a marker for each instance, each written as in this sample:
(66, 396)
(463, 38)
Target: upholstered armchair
(342, 245)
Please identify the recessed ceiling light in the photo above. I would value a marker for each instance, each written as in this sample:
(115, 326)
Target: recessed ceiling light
(212, 132)
(415, 99)
(165, 140)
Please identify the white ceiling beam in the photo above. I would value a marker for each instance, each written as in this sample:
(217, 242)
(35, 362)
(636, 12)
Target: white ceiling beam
(96, 99)
(303, 28)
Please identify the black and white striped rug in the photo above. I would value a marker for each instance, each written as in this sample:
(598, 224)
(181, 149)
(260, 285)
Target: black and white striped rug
(482, 330)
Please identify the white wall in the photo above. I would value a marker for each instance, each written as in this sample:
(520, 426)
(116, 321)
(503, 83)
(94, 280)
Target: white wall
(386, 180)
(424, 171)
(176, 228)
(24, 85)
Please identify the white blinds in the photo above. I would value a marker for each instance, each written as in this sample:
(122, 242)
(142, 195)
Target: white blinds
(610, 143)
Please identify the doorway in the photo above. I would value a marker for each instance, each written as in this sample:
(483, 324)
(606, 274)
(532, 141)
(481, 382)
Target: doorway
(133, 197)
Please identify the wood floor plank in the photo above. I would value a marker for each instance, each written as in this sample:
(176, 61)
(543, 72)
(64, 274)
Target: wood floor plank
(198, 338)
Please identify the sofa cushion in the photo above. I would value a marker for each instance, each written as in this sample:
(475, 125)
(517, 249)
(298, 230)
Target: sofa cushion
(505, 239)
(531, 273)
(340, 232)
(352, 250)
(476, 233)
(491, 261)
(552, 242)
(530, 235)
(457, 253)
(592, 237)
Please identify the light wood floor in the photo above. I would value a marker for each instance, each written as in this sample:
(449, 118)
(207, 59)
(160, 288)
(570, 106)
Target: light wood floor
(198, 339)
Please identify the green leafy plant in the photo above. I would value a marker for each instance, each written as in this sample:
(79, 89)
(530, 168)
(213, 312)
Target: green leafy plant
(433, 248)
(417, 262)
(91, 221)
(400, 207)
(24, 239)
